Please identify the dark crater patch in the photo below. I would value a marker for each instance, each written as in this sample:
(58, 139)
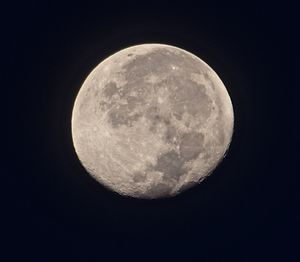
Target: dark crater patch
(139, 177)
(170, 165)
(110, 89)
(153, 113)
(171, 134)
(154, 116)
(122, 116)
(134, 101)
(159, 190)
(191, 145)
(135, 87)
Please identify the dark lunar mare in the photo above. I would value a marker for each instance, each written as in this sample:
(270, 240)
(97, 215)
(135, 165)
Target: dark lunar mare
(185, 94)
(170, 164)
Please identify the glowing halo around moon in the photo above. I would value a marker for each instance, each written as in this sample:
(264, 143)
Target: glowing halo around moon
(151, 121)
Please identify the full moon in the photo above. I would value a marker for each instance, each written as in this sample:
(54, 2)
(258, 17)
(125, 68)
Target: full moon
(151, 121)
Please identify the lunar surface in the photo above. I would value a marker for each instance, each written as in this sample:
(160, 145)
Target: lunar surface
(151, 121)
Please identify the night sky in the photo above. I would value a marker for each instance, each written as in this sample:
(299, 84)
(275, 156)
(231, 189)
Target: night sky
(52, 210)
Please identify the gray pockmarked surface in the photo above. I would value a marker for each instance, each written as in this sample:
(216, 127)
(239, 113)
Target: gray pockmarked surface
(151, 121)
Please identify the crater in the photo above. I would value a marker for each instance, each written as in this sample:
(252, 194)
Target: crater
(191, 145)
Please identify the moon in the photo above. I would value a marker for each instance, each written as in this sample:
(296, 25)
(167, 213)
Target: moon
(151, 121)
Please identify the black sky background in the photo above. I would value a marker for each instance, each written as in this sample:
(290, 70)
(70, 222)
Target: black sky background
(52, 210)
